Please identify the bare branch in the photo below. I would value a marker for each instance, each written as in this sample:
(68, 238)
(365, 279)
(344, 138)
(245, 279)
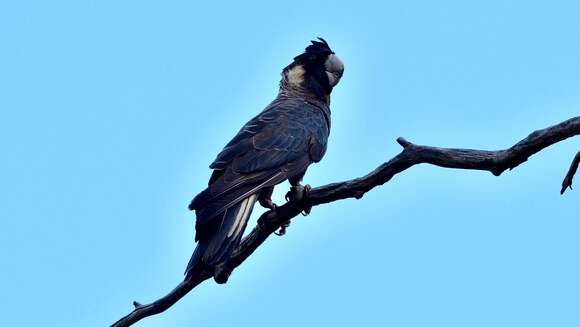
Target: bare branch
(495, 162)
(567, 183)
(141, 311)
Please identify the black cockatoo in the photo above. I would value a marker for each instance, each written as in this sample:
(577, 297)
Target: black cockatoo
(278, 144)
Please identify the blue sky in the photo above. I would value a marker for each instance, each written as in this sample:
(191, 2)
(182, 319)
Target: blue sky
(111, 112)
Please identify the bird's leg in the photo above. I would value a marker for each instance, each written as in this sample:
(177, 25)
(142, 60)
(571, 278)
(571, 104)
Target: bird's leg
(265, 198)
(299, 192)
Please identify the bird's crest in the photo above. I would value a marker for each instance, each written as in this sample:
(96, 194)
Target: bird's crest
(318, 49)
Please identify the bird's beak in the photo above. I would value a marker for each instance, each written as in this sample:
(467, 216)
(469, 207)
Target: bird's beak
(334, 69)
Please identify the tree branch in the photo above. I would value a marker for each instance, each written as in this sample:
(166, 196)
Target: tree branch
(495, 162)
(567, 183)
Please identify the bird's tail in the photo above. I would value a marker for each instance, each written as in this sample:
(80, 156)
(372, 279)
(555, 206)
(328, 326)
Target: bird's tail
(215, 250)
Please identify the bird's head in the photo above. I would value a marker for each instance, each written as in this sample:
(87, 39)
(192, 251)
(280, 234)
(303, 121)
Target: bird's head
(314, 72)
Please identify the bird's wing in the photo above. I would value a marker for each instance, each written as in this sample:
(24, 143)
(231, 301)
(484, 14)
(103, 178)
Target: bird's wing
(271, 147)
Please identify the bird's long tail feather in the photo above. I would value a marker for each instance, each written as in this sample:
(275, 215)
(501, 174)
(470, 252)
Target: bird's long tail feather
(215, 250)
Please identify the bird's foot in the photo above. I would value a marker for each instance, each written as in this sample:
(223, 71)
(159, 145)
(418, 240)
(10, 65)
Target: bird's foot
(282, 229)
(268, 204)
(300, 193)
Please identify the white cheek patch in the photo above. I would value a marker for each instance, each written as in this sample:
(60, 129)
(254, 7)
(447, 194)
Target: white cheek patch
(296, 75)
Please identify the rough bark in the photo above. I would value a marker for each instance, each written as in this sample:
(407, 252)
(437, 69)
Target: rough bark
(495, 162)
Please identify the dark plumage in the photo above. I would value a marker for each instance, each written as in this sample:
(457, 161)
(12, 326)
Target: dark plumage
(278, 144)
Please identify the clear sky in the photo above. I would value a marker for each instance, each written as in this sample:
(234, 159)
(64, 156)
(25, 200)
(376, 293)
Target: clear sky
(112, 111)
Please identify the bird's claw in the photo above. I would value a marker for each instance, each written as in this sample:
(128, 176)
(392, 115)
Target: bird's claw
(306, 195)
(299, 193)
(283, 228)
(307, 189)
(268, 204)
(272, 206)
(296, 193)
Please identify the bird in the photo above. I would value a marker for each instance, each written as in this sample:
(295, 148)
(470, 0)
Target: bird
(277, 145)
